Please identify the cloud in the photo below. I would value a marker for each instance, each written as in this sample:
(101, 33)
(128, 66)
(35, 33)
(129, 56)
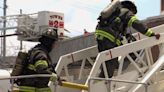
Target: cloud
(29, 6)
(81, 20)
(79, 14)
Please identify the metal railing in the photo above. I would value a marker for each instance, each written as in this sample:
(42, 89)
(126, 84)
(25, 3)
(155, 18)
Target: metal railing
(12, 78)
(116, 80)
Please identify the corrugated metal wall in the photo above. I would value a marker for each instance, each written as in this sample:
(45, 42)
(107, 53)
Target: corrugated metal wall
(71, 45)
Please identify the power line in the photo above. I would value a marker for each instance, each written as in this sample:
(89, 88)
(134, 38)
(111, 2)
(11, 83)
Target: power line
(9, 35)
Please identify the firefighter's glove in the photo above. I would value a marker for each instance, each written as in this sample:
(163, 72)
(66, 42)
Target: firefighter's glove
(57, 79)
(128, 38)
(60, 80)
(157, 36)
(54, 77)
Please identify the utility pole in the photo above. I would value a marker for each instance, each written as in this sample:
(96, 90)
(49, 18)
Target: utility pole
(21, 42)
(162, 6)
(4, 31)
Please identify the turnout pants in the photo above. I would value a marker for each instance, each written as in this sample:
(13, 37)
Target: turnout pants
(112, 64)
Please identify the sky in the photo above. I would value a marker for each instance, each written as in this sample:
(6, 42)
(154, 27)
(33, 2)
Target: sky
(78, 14)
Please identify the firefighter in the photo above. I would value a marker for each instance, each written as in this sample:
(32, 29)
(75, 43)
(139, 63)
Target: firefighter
(112, 27)
(39, 62)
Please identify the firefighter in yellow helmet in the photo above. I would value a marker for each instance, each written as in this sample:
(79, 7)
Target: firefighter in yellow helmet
(39, 62)
(112, 25)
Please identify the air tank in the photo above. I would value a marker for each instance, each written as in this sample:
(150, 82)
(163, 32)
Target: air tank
(107, 11)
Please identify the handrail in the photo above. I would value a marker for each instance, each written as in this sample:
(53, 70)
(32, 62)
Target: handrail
(74, 85)
(26, 76)
(117, 80)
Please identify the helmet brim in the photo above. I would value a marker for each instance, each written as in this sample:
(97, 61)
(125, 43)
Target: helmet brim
(130, 5)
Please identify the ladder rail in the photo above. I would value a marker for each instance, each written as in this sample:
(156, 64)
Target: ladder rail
(116, 80)
(83, 54)
(122, 50)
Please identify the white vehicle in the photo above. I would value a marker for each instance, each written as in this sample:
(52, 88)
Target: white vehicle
(5, 83)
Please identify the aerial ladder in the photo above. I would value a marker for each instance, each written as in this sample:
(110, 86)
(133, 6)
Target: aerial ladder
(142, 74)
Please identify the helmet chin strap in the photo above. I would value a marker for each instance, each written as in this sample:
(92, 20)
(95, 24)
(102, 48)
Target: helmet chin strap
(47, 42)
